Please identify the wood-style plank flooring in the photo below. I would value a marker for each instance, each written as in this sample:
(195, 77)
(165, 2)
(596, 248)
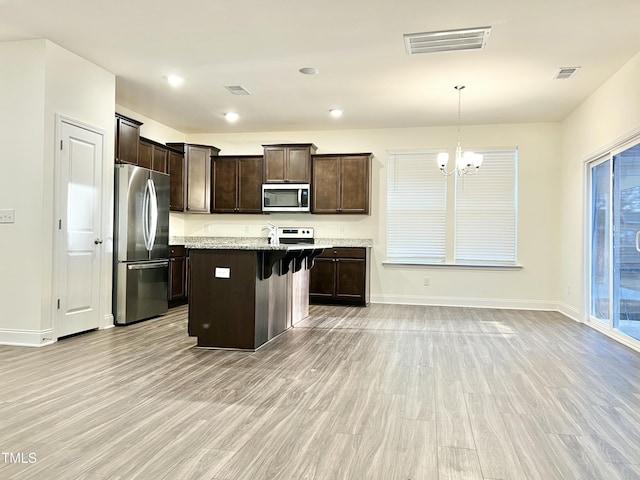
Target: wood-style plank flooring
(384, 392)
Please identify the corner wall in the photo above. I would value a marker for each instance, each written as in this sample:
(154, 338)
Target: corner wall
(38, 80)
(85, 92)
(608, 116)
(22, 131)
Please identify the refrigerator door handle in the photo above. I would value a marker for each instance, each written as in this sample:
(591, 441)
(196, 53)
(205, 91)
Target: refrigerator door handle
(145, 216)
(153, 207)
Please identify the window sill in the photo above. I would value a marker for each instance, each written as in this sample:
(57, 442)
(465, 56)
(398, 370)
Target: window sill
(418, 263)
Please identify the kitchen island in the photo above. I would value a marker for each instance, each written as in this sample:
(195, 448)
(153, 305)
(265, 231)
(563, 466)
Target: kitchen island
(243, 292)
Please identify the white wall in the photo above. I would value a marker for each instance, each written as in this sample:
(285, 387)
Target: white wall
(608, 116)
(534, 286)
(38, 80)
(22, 92)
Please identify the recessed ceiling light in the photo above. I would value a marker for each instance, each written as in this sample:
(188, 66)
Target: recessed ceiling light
(309, 71)
(335, 112)
(175, 80)
(231, 116)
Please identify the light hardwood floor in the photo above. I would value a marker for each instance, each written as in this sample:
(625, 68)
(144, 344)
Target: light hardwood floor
(384, 392)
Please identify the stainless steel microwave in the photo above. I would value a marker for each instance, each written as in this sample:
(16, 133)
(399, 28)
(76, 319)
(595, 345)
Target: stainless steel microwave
(285, 197)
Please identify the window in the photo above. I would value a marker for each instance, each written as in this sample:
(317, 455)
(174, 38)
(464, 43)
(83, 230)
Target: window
(475, 224)
(485, 211)
(416, 208)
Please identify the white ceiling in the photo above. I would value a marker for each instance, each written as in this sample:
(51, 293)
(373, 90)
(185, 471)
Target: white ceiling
(356, 44)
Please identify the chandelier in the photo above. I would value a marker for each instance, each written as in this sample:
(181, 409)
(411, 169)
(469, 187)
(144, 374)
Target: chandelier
(467, 163)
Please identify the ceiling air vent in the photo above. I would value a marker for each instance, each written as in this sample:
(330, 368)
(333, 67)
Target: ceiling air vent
(565, 72)
(237, 89)
(446, 41)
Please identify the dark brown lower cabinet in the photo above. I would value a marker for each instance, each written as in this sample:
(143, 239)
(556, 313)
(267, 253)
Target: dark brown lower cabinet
(341, 276)
(178, 261)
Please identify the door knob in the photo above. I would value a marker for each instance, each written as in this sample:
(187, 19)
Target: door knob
(97, 241)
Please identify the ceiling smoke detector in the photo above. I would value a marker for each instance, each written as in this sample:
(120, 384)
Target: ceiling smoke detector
(565, 72)
(447, 40)
(237, 89)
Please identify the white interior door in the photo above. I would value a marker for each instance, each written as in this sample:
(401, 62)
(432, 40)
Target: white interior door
(79, 237)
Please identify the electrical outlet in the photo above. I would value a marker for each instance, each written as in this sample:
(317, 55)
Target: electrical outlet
(427, 281)
(6, 216)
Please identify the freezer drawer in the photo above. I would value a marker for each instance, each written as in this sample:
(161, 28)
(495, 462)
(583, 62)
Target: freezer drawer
(141, 291)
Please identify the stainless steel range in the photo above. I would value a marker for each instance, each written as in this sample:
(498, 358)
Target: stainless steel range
(290, 235)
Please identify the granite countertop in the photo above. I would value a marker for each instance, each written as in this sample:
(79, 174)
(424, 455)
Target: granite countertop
(346, 242)
(240, 243)
(260, 243)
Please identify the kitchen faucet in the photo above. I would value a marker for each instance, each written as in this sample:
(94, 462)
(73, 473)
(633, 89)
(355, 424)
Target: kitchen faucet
(273, 233)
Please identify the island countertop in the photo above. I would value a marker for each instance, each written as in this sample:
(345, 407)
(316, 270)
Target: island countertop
(260, 243)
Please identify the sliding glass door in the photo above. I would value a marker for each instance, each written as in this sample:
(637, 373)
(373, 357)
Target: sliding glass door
(615, 241)
(600, 241)
(626, 242)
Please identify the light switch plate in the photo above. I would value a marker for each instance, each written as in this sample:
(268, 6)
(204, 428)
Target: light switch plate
(6, 216)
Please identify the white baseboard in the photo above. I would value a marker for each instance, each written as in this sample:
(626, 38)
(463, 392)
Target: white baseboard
(26, 338)
(107, 322)
(502, 303)
(569, 311)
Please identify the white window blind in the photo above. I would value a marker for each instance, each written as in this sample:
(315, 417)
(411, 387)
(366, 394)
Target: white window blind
(416, 208)
(486, 211)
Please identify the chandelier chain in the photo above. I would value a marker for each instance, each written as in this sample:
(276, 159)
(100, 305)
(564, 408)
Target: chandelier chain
(466, 163)
(459, 88)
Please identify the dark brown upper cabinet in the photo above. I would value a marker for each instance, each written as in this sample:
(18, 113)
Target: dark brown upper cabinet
(196, 181)
(127, 136)
(145, 154)
(177, 187)
(342, 183)
(153, 155)
(286, 163)
(237, 184)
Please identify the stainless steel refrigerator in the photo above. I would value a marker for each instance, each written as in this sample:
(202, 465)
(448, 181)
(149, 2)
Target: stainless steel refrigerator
(141, 238)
